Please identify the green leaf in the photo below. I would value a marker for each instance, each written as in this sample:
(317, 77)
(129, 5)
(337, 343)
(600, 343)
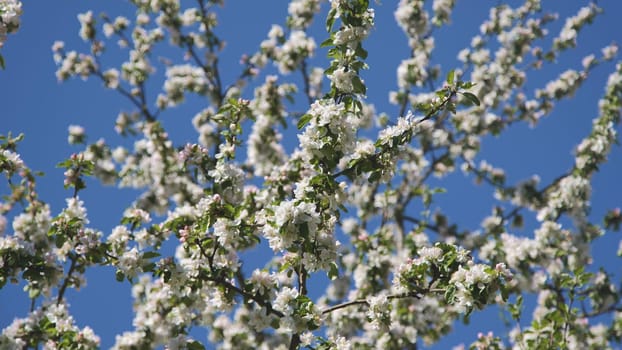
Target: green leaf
(471, 97)
(34, 293)
(333, 272)
(149, 267)
(358, 85)
(330, 19)
(516, 308)
(149, 255)
(450, 77)
(304, 229)
(331, 69)
(327, 42)
(195, 345)
(465, 85)
(285, 266)
(439, 190)
(119, 276)
(361, 52)
(47, 325)
(374, 176)
(60, 240)
(275, 323)
(64, 164)
(304, 120)
(505, 293)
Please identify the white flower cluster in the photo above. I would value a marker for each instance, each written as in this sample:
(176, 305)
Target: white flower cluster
(76, 134)
(289, 217)
(542, 250)
(206, 127)
(11, 161)
(85, 239)
(583, 336)
(342, 80)
(517, 249)
(118, 25)
(315, 82)
(379, 312)
(265, 151)
(442, 11)
(227, 233)
(263, 282)
(232, 178)
(10, 11)
(567, 83)
(475, 277)
(111, 78)
(484, 342)
(412, 17)
(414, 71)
(391, 135)
(500, 17)
(33, 226)
(568, 35)
(71, 63)
(183, 78)
(498, 75)
(285, 299)
(331, 131)
(157, 319)
(571, 195)
(87, 25)
(243, 330)
(594, 148)
(47, 325)
(148, 167)
(610, 51)
(301, 13)
(296, 317)
(352, 36)
(288, 53)
(130, 263)
(137, 68)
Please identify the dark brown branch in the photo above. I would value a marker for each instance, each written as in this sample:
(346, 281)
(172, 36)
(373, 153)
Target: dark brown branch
(416, 221)
(595, 313)
(63, 287)
(305, 79)
(416, 295)
(224, 283)
(302, 290)
(429, 115)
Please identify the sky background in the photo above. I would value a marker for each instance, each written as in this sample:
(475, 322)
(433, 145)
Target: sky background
(33, 102)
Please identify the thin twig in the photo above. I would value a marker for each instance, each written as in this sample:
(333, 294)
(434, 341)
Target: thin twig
(416, 295)
(63, 288)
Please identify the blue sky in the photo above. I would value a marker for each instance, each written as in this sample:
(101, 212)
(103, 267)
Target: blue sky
(33, 102)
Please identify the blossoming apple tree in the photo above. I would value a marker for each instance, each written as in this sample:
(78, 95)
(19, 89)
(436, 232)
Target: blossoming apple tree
(337, 189)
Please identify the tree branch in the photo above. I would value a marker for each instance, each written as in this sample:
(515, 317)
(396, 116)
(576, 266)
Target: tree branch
(224, 283)
(63, 287)
(416, 295)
